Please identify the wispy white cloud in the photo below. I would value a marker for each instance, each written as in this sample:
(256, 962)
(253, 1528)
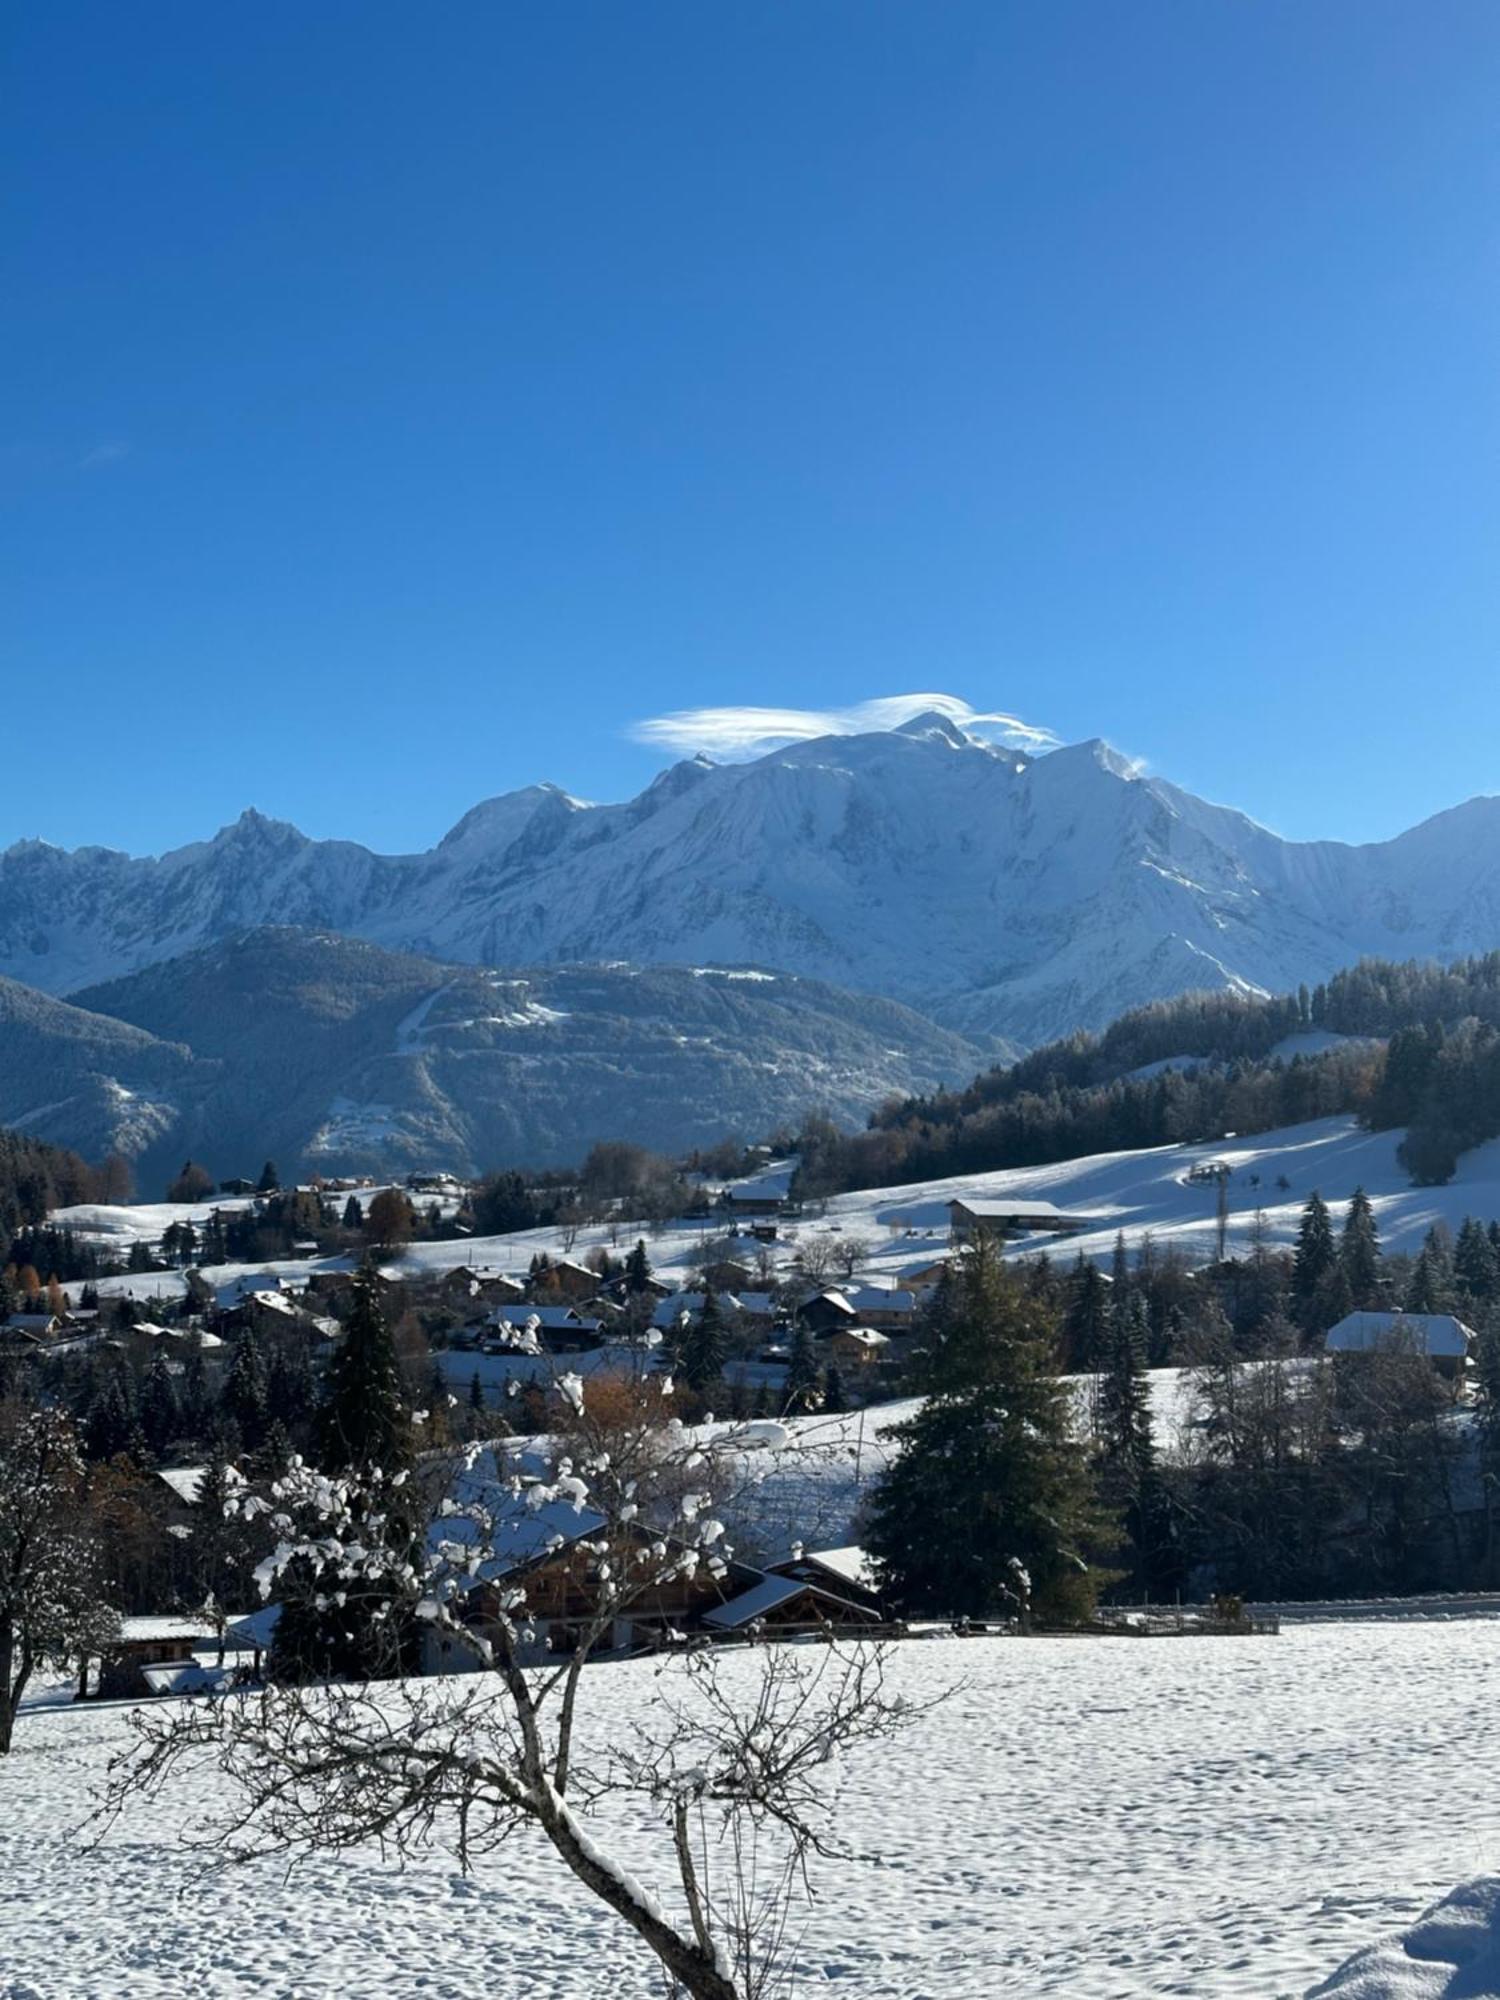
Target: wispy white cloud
(749, 732)
(108, 453)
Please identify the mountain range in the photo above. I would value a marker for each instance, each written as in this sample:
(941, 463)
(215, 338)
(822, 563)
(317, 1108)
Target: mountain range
(330, 1054)
(999, 898)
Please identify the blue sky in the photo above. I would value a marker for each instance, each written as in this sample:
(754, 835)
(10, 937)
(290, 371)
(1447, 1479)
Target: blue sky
(403, 403)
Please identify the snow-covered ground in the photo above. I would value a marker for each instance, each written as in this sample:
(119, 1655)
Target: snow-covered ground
(1111, 1818)
(1140, 1194)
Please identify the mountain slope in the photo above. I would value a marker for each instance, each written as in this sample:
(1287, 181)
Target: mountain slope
(1000, 893)
(329, 1053)
(96, 1085)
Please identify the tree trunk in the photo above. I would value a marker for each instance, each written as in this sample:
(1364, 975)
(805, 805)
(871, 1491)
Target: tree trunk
(692, 1968)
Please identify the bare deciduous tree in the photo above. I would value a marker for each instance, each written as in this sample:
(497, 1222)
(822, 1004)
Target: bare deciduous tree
(624, 1519)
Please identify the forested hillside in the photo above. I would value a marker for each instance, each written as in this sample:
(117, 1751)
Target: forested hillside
(1410, 1044)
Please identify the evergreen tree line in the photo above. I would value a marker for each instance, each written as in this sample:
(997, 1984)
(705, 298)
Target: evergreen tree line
(1439, 1076)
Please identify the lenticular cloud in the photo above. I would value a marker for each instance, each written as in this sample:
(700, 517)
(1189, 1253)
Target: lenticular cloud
(747, 732)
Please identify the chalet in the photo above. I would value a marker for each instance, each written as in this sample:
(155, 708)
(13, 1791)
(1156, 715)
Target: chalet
(846, 1571)
(858, 1346)
(786, 1605)
(541, 1551)
(669, 1312)
(260, 1313)
(1435, 1337)
(30, 1329)
(1013, 1217)
(824, 1311)
(559, 1329)
(926, 1276)
(890, 1309)
(565, 1279)
(147, 1642)
(727, 1274)
(465, 1289)
(758, 1308)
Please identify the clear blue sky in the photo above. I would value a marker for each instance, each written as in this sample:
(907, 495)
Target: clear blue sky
(402, 401)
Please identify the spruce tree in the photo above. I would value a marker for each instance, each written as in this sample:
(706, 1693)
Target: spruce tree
(1359, 1254)
(834, 1399)
(354, 1215)
(1476, 1269)
(160, 1414)
(364, 1420)
(1312, 1264)
(1130, 1476)
(702, 1346)
(245, 1390)
(989, 1507)
(801, 1374)
(637, 1268)
(1086, 1319)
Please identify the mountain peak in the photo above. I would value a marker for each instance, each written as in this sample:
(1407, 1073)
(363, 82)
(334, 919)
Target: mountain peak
(933, 726)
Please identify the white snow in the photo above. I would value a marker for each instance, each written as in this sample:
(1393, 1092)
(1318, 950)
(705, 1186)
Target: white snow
(1125, 1819)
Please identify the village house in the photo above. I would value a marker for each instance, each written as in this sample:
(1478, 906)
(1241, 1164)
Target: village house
(559, 1329)
(846, 1571)
(1013, 1217)
(855, 1346)
(823, 1311)
(144, 1643)
(891, 1309)
(1436, 1337)
(563, 1278)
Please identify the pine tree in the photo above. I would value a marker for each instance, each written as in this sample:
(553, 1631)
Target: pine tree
(245, 1390)
(270, 1180)
(801, 1374)
(1476, 1269)
(354, 1215)
(834, 1398)
(989, 1506)
(218, 1538)
(1130, 1476)
(160, 1414)
(364, 1419)
(703, 1345)
(476, 1394)
(637, 1268)
(1312, 1263)
(1086, 1318)
(1359, 1254)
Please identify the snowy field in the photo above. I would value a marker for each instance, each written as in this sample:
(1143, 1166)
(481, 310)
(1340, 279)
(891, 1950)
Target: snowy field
(1139, 1193)
(1088, 1818)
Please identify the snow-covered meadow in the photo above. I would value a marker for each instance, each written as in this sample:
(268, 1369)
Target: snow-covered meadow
(1080, 1817)
(1138, 1194)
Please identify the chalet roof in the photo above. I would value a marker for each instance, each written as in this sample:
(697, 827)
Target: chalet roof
(998, 1211)
(186, 1480)
(766, 1596)
(880, 1298)
(165, 1630)
(1399, 1332)
(867, 1336)
(549, 1318)
(850, 1566)
(833, 1297)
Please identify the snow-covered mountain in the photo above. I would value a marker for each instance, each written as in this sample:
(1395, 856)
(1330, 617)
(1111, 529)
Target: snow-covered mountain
(334, 1055)
(1002, 893)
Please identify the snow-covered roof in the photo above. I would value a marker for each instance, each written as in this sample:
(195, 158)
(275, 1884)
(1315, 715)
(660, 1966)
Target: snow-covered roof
(765, 1596)
(549, 1318)
(999, 1211)
(850, 1565)
(1399, 1332)
(255, 1632)
(867, 1336)
(670, 1309)
(164, 1630)
(755, 1602)
(185, 1480)
(880, 1298)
